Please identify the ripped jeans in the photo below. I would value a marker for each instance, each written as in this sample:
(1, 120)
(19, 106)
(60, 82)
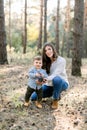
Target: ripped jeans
(54, 91)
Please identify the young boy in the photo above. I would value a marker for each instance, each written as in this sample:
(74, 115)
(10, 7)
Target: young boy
(36, 74)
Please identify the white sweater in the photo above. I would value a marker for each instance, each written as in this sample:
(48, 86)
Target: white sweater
(58, 68)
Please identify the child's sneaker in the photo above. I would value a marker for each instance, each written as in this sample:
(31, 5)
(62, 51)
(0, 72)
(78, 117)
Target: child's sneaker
(38, 104)
(26, 104)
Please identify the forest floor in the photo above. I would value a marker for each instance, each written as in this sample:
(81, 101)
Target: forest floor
(70, 115)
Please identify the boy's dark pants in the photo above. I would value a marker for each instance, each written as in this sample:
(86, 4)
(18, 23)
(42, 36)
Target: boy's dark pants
(30, 91)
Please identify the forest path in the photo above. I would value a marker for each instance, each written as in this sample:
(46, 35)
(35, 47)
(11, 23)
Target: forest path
(70, 115)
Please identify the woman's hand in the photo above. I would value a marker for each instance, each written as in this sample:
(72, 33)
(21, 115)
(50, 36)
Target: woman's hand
(45, 80)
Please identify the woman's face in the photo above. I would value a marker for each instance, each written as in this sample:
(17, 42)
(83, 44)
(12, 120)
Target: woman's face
(49, 51)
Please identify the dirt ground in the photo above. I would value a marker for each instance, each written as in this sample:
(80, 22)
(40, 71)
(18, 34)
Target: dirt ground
(70, 115)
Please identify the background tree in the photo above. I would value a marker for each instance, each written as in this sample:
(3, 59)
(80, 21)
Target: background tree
(63, 41)
(25, 29)
(39, 46)
(68, 10)
(10, 44)
(45, 21)
(85, 30)
(57, 26)
(3, 51)
(78, 37)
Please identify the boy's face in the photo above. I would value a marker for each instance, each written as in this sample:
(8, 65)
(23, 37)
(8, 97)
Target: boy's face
(38, 64)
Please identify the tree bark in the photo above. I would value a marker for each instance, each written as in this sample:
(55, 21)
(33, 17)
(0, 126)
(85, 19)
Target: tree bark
(3, 51)
(25, 29)
(57, 27)
(10, 24)
(45, 21)
(78, 37)
(39, 46)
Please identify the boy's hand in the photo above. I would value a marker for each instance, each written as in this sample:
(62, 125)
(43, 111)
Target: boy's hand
(39, 83)
(37, 74)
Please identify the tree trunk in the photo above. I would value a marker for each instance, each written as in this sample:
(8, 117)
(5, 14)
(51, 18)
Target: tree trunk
(3, 51)
(45, 21)
(25, 29)
(57, 27)
(68, 26)
(78, 37)
(39, 46)
(85, 29)
(10, 24)
(63, 40)
(85, 15)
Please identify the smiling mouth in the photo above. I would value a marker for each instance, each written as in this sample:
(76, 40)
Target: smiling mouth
(38, 66)
(49, 54)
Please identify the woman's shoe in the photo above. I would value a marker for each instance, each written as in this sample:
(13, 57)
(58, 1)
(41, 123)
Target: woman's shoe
(55, 104)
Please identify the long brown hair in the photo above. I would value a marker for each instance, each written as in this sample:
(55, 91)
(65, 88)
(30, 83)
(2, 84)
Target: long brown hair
(46, 60)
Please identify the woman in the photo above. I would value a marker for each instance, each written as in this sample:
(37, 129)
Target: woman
(57, 80)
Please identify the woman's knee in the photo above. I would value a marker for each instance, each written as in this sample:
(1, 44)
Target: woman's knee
(65, 86)
(57, 80)
(44, 87)
(47, 91)
(33, 96)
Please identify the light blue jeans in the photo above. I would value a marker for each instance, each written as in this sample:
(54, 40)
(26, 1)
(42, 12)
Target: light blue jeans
(59, 85)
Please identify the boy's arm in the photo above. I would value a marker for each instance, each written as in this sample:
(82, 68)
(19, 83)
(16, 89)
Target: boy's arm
(32, 73)
(44, 74)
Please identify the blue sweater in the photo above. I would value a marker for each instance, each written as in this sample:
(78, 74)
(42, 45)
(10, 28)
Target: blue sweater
(33, 78)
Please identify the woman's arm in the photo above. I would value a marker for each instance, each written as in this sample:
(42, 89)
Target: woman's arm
(57, 69)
